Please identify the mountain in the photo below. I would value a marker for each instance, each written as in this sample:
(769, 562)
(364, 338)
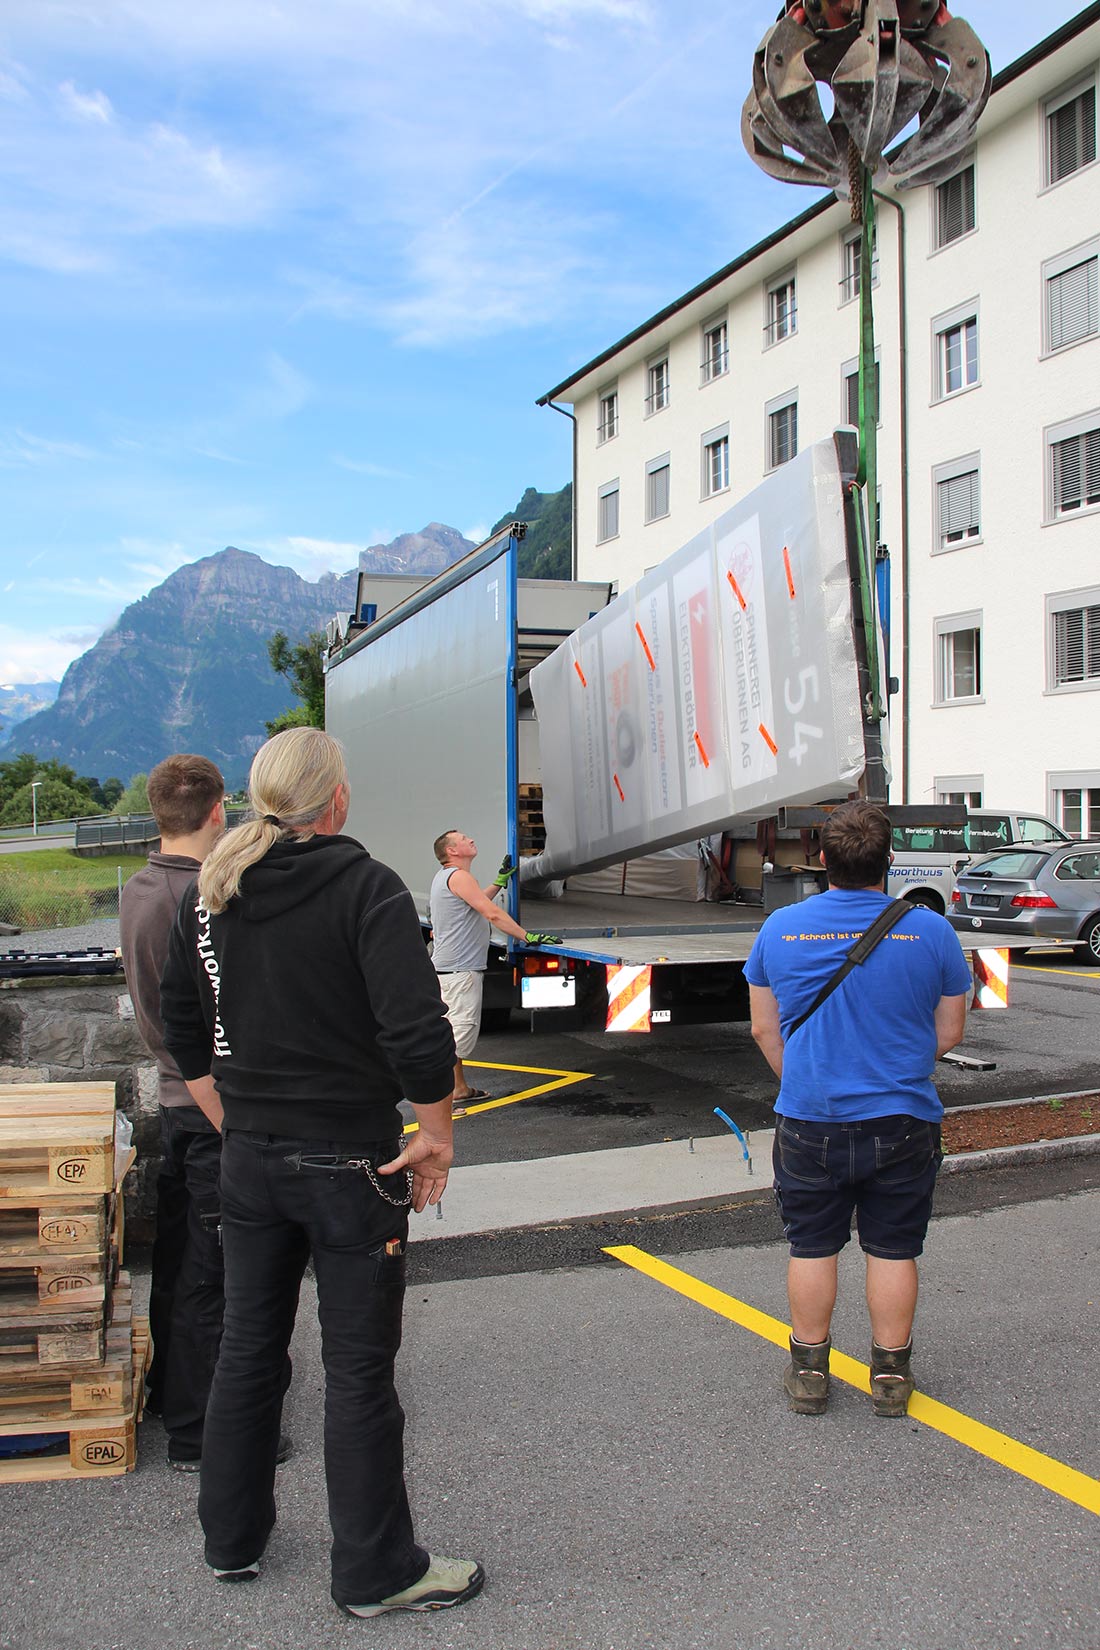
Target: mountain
(547, 551)
(186, 667)
(18, 700)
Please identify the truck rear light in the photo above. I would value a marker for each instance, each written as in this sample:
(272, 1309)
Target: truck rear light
(1035, 902)
(544, 965)
(956, 897)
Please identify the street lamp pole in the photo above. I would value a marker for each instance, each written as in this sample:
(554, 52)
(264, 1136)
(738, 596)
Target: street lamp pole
(34, 805)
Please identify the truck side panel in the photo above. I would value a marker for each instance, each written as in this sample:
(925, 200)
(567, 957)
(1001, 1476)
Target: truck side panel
(425, 710)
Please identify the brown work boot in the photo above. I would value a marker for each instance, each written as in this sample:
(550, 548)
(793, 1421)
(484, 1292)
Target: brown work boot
(891, 1380)
(807, 1377)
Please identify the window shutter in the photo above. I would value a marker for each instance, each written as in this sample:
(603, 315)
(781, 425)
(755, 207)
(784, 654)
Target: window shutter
(1076, 478)
(1091, 444)
(1072, 135)
(1073, 307)
(960, 506)
(955, 207)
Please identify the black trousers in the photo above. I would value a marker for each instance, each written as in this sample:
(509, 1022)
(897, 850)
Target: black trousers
(277, 1212)
(187, 1294)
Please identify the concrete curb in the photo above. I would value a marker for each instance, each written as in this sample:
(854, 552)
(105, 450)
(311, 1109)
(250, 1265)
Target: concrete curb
(997, 1157)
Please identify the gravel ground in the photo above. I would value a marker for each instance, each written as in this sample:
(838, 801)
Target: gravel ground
(103, 933)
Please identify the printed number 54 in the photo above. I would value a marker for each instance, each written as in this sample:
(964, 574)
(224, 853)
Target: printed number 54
(807, 687)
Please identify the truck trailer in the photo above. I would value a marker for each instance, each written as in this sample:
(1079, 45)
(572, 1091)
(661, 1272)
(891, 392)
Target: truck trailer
(577, 731)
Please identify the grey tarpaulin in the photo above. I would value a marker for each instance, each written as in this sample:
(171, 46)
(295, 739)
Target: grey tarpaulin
(723, 684)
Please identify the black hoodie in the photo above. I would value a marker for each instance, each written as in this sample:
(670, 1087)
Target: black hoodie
(311, 997)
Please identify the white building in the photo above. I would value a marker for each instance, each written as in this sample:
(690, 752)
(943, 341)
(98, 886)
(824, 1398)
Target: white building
(987, 326)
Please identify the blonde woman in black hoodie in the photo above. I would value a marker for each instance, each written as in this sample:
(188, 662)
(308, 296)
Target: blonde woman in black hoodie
(300, 1006)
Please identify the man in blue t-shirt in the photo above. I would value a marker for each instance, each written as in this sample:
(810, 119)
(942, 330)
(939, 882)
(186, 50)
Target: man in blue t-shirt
(859, 1119)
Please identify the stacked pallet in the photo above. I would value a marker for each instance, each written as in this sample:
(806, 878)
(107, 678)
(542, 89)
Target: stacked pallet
(72, 1354)
(532, 828)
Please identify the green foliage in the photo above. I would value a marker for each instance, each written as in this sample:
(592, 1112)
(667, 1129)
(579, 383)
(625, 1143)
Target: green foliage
(303, 666)
(547, 550)
(135, 798)
(61, 794)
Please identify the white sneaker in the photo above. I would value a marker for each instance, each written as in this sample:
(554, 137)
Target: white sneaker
(446, 1581)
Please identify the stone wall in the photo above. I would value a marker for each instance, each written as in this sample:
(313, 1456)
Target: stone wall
(83, 1031)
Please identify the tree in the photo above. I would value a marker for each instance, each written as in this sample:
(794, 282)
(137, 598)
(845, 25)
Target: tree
(17, 774)
(135, 798)
(54, 800)
(303, 666)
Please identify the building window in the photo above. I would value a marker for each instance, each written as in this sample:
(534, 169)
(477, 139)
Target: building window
(851, 244)
(716, 352)
(1074, 466)
(1070, 123)
(958, 502)
(781, 310)
(1070, 308)
(955, 338)
(1073, 639)
(782, 416)
(657, 474)
(657, 386)
(1075, 803)
(850, 410)
(716, 461)
(953, 208)
(607, 512)
(961, 790)
(608, 426)
(958, 658)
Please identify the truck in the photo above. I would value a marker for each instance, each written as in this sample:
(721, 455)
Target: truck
(585, 734)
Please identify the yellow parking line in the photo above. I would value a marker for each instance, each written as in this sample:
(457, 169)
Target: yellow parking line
(1008, 1452)
(560, 1080)
(1070, 973)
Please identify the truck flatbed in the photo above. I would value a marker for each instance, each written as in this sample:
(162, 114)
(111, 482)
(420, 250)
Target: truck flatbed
(625, 929)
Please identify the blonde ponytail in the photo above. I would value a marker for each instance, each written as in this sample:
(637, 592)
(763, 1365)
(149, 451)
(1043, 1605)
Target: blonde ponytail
(291, 785)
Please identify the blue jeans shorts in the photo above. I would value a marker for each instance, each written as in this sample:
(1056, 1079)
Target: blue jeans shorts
(883, 1168)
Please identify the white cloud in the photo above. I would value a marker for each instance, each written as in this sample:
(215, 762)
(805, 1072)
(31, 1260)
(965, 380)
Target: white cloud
(20, 449)
(94, 106)
(27, 657)
(364, 467)
(477, 534)
(308, 556)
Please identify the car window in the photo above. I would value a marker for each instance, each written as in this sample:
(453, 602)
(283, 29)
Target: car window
(928, 839)
(1079, 868)
(987, 832)
(1039, 830)
(1014, 864)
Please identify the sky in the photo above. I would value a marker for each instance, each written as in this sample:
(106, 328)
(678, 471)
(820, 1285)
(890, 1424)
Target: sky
(291, 276)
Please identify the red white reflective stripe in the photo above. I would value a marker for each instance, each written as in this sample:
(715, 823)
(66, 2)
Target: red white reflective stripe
(990, 979)
(628, 998)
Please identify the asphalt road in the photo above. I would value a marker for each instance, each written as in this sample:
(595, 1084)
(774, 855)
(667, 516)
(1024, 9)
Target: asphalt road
(639, 1089)
(620, 1458)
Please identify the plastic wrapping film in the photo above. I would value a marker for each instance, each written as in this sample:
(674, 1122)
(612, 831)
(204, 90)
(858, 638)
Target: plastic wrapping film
(724, 684)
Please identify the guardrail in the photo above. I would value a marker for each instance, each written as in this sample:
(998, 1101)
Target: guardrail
(109, 832)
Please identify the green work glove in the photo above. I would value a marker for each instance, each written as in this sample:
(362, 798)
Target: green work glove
(544, 939)
(506, 873)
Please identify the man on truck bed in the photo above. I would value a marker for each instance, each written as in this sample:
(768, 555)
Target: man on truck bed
(859, 1119)
(461, 913)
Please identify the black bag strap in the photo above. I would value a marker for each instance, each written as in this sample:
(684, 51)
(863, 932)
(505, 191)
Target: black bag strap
(860, 951)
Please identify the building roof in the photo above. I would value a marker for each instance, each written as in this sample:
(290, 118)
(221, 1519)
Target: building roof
(1042, 50)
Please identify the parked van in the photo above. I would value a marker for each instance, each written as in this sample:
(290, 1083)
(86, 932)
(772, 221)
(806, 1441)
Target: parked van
(927, 858)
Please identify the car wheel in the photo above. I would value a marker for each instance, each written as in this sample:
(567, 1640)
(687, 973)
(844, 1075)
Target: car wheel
(1089, 945)
(925, 897)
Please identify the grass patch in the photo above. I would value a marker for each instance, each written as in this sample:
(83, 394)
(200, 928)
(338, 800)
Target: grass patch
(53, 888)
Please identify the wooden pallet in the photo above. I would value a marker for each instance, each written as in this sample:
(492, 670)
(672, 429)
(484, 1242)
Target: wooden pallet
(102, 1446)
(35, 1399)
(55, 1154)
(69, 1345)
(52, 1287)
(51, 1226)
(56, 1099)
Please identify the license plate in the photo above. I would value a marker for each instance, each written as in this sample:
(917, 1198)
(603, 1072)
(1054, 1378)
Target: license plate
(548, 991)
(985, 902)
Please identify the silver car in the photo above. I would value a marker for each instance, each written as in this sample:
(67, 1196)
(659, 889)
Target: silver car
(1049, 892)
